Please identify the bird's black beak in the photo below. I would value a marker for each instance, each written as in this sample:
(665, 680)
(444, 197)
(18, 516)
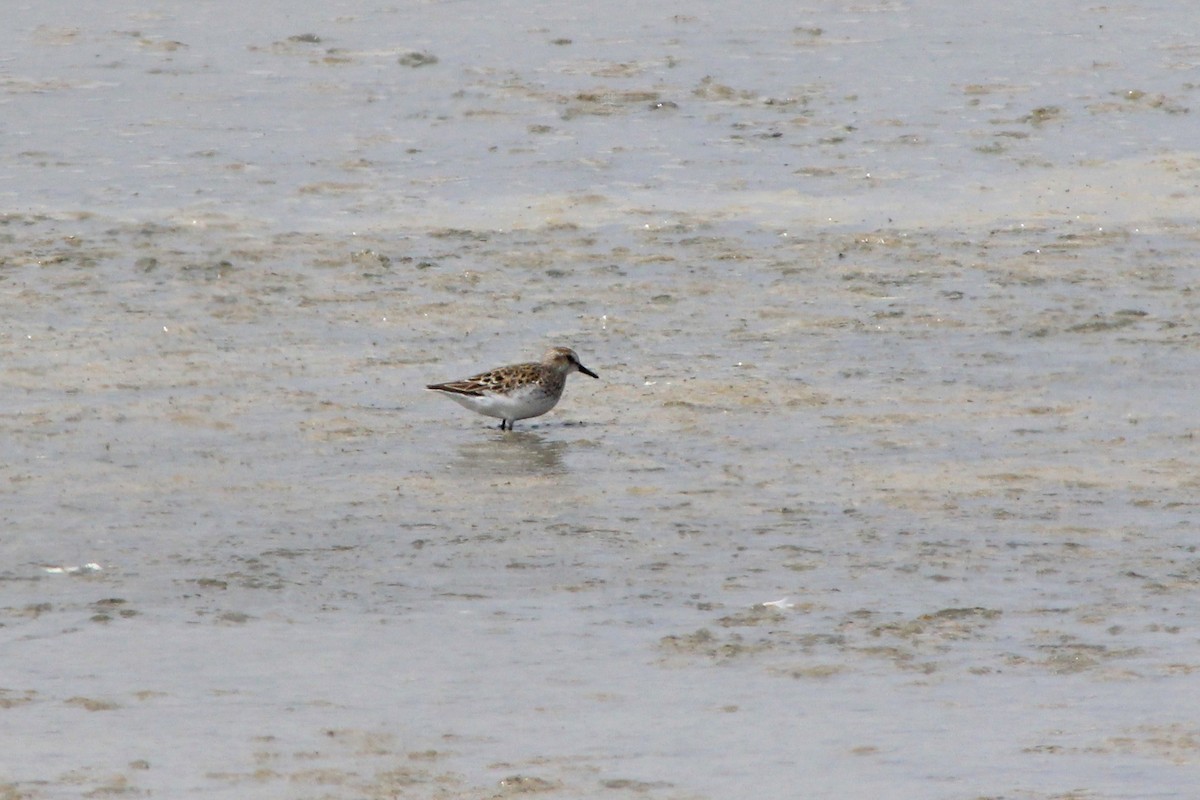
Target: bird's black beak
(586, 371)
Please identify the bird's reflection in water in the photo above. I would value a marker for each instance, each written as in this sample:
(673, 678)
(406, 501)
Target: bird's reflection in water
(512, 453)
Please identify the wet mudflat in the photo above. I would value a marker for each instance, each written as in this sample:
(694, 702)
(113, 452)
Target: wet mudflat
(888, 487)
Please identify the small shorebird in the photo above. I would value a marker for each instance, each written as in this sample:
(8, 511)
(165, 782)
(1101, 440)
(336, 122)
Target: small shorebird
(518, 391)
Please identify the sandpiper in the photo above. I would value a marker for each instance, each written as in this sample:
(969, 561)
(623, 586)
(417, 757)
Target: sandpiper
(518, 391)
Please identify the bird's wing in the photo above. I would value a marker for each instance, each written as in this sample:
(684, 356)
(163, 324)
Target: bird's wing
(470, 386)
(496, 380)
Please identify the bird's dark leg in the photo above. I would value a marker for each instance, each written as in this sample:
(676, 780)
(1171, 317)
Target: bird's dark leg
(505, 425)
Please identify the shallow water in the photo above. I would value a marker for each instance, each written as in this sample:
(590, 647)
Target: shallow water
(893, 311)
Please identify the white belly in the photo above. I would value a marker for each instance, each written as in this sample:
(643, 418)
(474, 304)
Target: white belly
(522, 404)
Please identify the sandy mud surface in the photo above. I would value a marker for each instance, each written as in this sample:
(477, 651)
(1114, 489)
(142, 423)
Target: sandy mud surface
(888, 488)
